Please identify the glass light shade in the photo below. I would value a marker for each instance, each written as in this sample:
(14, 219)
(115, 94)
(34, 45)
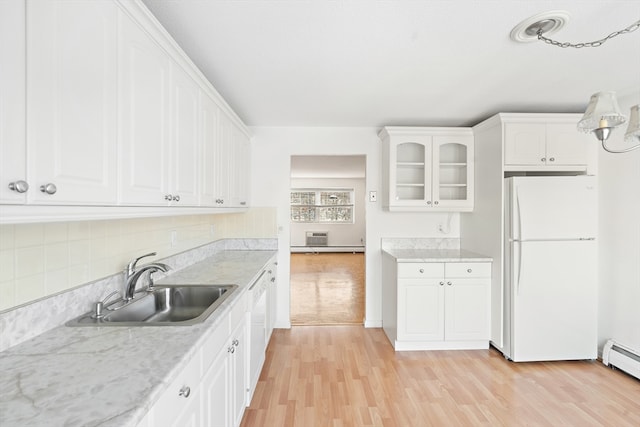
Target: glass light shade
(633, 131)
(602, 112)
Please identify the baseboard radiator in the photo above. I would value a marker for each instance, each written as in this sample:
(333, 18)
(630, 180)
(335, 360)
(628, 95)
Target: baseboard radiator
(317, 238)
(616, 355)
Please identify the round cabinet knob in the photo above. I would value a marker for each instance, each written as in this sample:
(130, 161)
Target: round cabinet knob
(429, 202)
(19, 186)
(421, 270)
(449, 283)
(185, 391)
(168, 197)
(176, 198)
(236, 342)
(441, 283)
(273, 279)
(435, 203)
(49, 188)
(542, 159)
(552, 159)
(469, 270)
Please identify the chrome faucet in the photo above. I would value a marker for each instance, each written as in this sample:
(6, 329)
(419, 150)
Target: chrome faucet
(133, 274)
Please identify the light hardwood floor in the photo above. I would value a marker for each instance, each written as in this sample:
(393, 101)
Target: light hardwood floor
(350, 376)
(327, 288)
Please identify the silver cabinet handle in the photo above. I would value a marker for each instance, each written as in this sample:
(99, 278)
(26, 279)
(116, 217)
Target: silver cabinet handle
(429, 202)
(176, 198)
(543, 159)
(552, 159)
(168, 197)
(49, 188)
(185, 391)
(441, 283)
(469, 270)
(435, 203)
(421, 270)
(243, 203)
(273, 279)
(236, 343)
(19, 186)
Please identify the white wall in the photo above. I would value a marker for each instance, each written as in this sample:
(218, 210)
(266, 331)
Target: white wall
(339, 234)
(619, 232)
(272, 148)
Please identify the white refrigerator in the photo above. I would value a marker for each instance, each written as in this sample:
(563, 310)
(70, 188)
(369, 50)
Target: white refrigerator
(551, 290)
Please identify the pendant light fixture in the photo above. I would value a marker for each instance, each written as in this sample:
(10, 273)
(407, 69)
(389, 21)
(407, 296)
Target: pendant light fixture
(602, 114)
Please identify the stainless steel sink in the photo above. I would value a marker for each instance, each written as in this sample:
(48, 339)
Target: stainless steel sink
(162, 306)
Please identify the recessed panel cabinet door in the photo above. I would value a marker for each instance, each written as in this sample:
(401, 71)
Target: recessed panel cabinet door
(209, 137)
(144, 88)
(71, 102)
(12, 102)
(185, 144)
(421, 310)
(525, 144)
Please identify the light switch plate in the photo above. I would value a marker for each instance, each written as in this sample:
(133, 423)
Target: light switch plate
(373, 196)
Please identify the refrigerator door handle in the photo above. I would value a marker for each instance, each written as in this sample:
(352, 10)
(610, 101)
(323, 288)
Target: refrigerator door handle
(517, 258)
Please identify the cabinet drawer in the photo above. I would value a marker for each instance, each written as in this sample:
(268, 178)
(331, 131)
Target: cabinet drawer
(420, 269)
(468, 269)
(179, 394)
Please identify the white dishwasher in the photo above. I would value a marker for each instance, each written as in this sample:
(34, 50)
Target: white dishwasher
(258, 332)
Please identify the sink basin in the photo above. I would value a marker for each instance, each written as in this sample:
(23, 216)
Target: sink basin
(163, 306)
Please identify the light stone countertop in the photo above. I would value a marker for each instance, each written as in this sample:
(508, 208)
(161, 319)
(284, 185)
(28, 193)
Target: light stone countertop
(435, 255)
(112, 376)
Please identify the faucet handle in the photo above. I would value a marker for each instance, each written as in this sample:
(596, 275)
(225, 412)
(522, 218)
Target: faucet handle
(132, 265)
(99, 306)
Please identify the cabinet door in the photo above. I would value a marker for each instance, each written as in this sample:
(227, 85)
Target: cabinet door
(144, 77)
(71, 106)
(216, 391)
(452, 172)
(420, 309)
(223, 162)
(410, 172)
(272, 298)
(239, 367)
(565, 145)
(12, 100)
(240, 165)
(467, 309)
(525, 144)
(185, 143)
(209, 139)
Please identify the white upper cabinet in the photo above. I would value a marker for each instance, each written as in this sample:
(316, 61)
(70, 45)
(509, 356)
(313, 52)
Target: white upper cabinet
(428, 169)
(186, 143)
(544, 142)
(209, 140)
(12, 103)
(239, 172)
(144, 86)
(71, 102)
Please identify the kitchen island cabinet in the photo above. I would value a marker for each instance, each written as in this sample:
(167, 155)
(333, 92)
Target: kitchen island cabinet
(435, 299)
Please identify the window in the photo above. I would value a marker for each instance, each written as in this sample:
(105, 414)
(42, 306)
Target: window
(322, 205)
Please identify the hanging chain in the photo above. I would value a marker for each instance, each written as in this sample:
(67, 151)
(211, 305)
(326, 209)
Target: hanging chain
(596, 43)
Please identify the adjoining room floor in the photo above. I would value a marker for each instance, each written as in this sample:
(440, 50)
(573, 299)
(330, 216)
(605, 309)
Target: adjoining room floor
(327, 288)
(350, 376)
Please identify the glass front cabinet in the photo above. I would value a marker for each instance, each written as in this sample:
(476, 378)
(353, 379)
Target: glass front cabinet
(428, 168)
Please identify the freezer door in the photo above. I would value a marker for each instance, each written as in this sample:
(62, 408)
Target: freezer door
(553, 301)
(545, 208)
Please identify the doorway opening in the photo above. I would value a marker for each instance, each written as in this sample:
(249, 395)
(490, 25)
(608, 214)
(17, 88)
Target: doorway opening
(327, 240)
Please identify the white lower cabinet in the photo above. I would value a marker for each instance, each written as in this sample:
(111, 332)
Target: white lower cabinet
(210, 391)
(438, 305)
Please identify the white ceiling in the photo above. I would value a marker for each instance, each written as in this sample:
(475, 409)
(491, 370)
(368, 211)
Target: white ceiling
(420, 62)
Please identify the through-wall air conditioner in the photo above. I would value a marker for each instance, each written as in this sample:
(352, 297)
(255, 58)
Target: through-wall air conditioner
(317, 238)
(616, 355)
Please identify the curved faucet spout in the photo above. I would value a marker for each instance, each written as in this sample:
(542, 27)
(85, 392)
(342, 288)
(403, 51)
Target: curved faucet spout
(131, 280)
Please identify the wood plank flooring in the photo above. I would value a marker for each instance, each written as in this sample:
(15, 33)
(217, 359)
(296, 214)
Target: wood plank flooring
(339, 376)
(327, 288)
